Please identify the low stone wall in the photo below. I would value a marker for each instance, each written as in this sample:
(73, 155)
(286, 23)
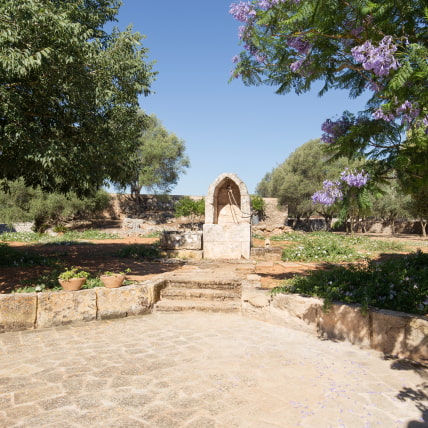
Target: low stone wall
(390, 332)
(38, 310)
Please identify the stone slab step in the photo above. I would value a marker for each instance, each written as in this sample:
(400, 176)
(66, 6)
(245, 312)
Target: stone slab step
(203, 306)
(214, 284)
(173, 293)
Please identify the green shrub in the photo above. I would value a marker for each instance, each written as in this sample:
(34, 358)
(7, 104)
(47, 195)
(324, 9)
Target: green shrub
(187, 207)
(400, 284)
(22, 203)
(258, 206)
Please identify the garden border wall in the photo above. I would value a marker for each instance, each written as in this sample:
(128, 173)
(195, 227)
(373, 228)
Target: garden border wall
(393, 333)
(22, 311)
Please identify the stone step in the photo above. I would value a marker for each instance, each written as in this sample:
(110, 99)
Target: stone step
(206, 284)
(203, 306)
(173, 293)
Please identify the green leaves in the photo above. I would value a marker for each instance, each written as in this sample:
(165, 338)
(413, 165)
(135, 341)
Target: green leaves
(69, 94)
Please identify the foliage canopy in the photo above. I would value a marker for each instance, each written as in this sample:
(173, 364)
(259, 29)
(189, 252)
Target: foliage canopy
(160, 157)
(376, 48)
(69, 94)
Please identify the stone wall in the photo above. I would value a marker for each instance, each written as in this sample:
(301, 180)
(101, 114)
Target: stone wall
(392, 333)
(38, 310)
(17, 227)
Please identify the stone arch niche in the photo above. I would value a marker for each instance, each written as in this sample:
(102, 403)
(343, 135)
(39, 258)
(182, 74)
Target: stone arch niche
(227, 228)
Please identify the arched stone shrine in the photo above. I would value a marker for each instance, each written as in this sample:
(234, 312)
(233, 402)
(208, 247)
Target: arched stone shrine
(227, 228)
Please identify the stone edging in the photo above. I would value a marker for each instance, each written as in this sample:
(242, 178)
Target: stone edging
(393, 333)
(38, 310)
(390, 332)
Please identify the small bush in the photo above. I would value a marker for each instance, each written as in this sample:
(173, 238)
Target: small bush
(258, 206)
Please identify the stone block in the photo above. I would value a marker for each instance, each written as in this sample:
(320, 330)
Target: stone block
(64, 307)
(122, 302)
(296, 311)
(345, 322)
(18, 311)
(175, 240)
(401, 334)
(227, 241)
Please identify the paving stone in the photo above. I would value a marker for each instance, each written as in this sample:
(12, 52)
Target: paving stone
(201, 370)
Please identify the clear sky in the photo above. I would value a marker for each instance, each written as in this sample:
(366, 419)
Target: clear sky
(227, 127)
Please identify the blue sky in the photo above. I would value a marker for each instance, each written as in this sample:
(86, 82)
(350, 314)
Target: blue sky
(227, 127)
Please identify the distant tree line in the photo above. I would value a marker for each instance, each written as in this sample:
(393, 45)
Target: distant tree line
(296, 180)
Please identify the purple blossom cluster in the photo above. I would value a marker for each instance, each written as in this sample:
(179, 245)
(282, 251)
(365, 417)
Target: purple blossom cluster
(302, 46)
(378, 59)
(354, 178)
(407, 110)
(329, 195)
(242, 11)
(332, 130)
(333, 190)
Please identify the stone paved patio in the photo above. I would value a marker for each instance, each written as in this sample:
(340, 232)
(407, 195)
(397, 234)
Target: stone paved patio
(200, 370)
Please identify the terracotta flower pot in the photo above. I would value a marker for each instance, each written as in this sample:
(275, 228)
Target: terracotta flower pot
(112, 281)
(72, 284)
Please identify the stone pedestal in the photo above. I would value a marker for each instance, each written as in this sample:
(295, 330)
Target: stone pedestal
(227, 241)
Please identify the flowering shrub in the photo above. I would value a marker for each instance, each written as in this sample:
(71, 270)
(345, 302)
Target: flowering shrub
(399, 284)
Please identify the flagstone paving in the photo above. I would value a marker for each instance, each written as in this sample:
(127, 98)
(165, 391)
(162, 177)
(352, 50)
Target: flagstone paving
(201, 370)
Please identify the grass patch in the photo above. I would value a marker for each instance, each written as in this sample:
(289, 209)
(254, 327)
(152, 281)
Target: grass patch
(399, 284)
(70, 236)
(333, 248)
(137, 251)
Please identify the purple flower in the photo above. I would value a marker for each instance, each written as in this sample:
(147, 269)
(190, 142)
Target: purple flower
(332, 130)
(269, 4)
(235, 59)
(301, 45)
(354, 178)
(407, 110)
(242, 11)
(329, 195)
(295, 66)
(379, 59)
(380, 114)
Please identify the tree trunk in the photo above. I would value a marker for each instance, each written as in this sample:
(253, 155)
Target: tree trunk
(423, 227)
(328, 219)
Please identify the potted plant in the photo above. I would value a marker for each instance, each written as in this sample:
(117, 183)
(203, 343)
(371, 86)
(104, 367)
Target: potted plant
(72, 279)
(113, 279)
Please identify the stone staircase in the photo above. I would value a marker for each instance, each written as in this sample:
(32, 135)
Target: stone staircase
(202, 295)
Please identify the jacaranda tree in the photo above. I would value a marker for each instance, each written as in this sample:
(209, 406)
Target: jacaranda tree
(69, 94)
(374, 48)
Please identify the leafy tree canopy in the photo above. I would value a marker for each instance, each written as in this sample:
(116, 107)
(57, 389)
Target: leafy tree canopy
(69, 94)
(378, 48)
(295, 180)
(160, 157)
